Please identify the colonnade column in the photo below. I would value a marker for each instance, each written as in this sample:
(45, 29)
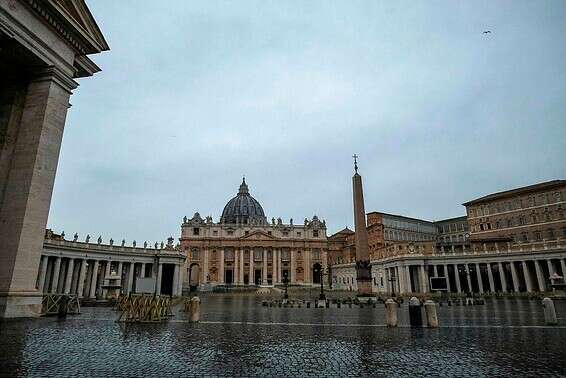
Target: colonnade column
(540, 277)
(457, 276)
(469, 278)
(180, 283)
(400, 278)
(447, 276)
(82, 277)
(131, 272)
(55, 280)
(106, 274)
(221, 267)
(514, 277)
(175, 290)
(550, 267)
(563, 267)
(142, 271)
(92, 293)
(407, 273)
(423, 279)
(70, 269)
(42, 273)
(435, 270)
(502, 277)
(490, 278)
(236, 269)
(279, 266)
(478, 275)
(273, 266)
(158, 278)
(527, 276)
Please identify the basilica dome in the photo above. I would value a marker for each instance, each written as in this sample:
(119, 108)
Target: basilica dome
(243, 209)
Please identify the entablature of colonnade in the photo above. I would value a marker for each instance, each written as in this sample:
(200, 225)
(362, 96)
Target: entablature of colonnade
(82, 250)
(60, 34)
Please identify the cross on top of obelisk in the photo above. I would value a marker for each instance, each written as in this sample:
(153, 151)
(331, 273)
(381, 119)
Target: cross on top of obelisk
(355, 162)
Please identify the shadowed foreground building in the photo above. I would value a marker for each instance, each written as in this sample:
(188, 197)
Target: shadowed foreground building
(44, 47)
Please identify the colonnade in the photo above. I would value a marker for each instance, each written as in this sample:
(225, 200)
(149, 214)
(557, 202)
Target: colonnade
(86, 277)
(516, 274)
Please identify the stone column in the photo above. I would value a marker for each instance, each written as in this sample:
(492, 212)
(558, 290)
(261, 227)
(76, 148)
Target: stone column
(264, 269)
(423, 279)
(28, 164)
(55, 279)
(70, 269)
(563, 267)
(550, 267)
(236, 266)
(106, 274)
(502, 277)
(514, 277)
(407, 271)
(142, 271)
(279, 266)
(490, 278)
(158, 278)
(478, 275)
(42, 272)
(180, 287)
(469, 279)
(82, 277)
(251, 278)
(205, 268)
(527, 276)
(120, 269)
(131, 273)
(457, 276)
(93, 280)
(242, 266)
(175, 280)
(293, 268)
(308, 266)
(540, 276)
(221, 267)
(435, 270)
(447, 276)
(274, 268)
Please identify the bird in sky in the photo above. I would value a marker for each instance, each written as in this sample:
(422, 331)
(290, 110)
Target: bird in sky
(487, 32)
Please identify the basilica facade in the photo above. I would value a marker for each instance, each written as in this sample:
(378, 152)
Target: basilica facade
(246, 249)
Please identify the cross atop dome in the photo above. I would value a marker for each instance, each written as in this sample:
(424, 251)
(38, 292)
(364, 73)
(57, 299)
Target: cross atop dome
(355, 162)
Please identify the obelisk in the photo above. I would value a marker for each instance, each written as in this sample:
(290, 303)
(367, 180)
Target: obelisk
(363, 268)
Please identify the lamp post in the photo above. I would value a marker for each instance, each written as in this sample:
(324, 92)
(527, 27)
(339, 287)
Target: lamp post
(321, 273)
(392, 280)
(286, 283)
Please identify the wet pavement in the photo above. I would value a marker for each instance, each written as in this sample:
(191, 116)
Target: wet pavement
(239, 337)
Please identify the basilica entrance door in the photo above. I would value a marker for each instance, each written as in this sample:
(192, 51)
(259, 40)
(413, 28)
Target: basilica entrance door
(229, 277)
(246, 279)
(257, 278)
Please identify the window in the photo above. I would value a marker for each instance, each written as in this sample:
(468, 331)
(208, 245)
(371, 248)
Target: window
(550, 233)
(298, 234)
(538, 235)
(285, 233)
(269, 233)
(315, 233)
(497, 224)
(230, 232)
(522, 220)
(246, 232)
(510, 222)
(525, 236)
(195, 254)
(257, 255)
(196, 231)
(214, 233)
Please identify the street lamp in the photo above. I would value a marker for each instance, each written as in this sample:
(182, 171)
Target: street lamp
(392, 280)
(286, 283)
(320, 270)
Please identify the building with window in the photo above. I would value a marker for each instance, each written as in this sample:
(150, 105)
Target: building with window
(245, 249)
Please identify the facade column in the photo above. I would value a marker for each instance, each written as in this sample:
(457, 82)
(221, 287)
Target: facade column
(221, 267)
(423, 279)
(293, 269)
(527, 276)
(82, 277)
(264, 269)
(237, 266)
(447, 276)
(70, 269)
(400, 279)
(131, 272)
(174, 292)
(42, 273)
(540, 276)
(563, 267)
(550, 267)
(478, 275)
(242, 266)
(280, 265)
(55, 279)
(514, 277)
(457, 276)
(93, 280)
(205, 271)
(435, 270)
(158, 278)
(180, 283)
(251, 278)
(490, 278)
(142, 271)
(502, 277)
(308, 267)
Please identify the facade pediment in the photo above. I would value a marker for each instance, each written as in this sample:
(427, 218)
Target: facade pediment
(258, 235)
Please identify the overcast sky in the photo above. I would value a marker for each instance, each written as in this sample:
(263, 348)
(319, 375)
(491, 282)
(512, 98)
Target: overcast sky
(192, 95)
